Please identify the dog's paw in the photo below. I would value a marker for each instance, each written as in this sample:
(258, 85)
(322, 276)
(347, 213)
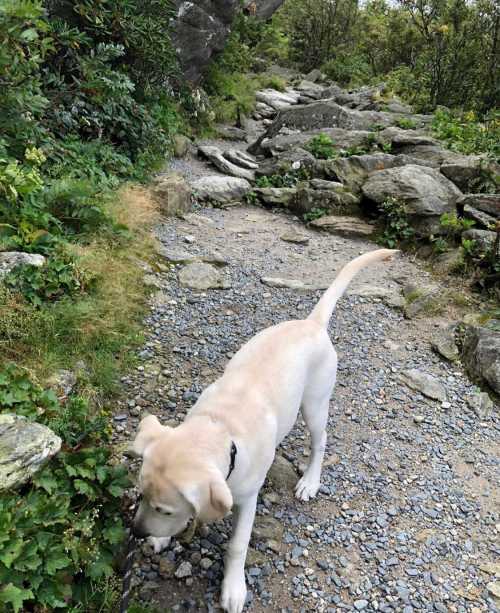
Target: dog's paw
(234, 594)
(307, 488)
(159, 543)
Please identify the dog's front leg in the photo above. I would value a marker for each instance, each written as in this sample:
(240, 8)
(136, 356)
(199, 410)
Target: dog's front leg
(234, 590)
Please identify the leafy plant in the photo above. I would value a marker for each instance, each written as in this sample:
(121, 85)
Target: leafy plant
(322, 147)
(314, 213)
(288, 178)
(454, 226)
(397, 228)
(59, 277)
(61, 535)
(406, 123)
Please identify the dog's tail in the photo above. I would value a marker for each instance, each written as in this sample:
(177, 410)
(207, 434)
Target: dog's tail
(323, 310)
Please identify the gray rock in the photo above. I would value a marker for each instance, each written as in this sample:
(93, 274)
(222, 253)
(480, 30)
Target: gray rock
(63, 383)
(425, 193)
(230, 132)
(360, 605)
(267, 528)
(484, 240)
(275, 99)
(403, 138)
(286, 161)
(349, 226)
(342, 139)
(282, 474)
(423, 382)
(339, 201)
(200, 29)
(464, 172)
(200, 276)
(25, 446)
(11, 259)
(172, 194)
(444, 343)
(182, 257)
(488, 203)
(214, 154)
(354, 170)
(482, 220)
(291, 284)
(264, 110)
(481, 353)
(276, 195)
(184, 570)
(293, 237)
(220, 189)
(241, 158)
(482, 405)
(335, 186)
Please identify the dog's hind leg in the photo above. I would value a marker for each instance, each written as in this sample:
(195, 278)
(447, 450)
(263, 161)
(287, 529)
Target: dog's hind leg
(315, 405)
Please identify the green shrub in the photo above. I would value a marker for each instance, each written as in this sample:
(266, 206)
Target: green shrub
(397, 228)
(466, 133)
(314, 213)
(60, 536)
(406, 123)
(454, 226)
(287, 178)
(59, 277)
(322, 147)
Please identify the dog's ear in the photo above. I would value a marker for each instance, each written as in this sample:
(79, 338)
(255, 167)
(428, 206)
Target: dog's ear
(149, 430)
(210, 501)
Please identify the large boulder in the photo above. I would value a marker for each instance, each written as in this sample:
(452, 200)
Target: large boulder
(481, 353)
(399, 138)
(25, 446)
(200, 29)
(11, 259)
(220, 189)
(425, 193)
(353, 171)
(172, 194)
(276, 99)
(286, 161)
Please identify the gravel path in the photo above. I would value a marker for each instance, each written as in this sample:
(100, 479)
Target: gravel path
(407, 518)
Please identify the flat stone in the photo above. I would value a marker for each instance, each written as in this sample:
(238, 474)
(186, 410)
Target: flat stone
(201, 276)
(291, 284)
(25, 446)
(183, 257)
(220, 189)
(184, 570)
(267, 528)
(423, 382)
(276, 195)
(241, 158)
(298, 239)
(342, 224)
(482, 405)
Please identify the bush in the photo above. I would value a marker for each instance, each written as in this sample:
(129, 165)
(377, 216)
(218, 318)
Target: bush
(61, 535)
(397, 229)
(322, 147)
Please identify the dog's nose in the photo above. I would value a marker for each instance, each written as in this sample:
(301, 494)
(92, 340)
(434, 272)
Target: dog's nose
(138, 531)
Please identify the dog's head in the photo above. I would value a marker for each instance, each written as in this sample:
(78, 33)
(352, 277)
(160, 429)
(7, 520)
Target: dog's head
(177, 481)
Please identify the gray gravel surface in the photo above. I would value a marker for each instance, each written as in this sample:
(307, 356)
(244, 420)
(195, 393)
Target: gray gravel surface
(407, 518)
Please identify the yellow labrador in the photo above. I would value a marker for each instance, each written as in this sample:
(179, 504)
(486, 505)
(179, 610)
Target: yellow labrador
(218, 458)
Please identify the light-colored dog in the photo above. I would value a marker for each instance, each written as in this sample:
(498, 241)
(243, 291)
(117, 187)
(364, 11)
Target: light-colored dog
(219, 456)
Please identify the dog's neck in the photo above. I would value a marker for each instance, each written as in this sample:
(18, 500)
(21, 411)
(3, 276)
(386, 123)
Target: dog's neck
(216, 442)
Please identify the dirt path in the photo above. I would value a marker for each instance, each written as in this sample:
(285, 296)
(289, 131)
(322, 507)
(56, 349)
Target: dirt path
(407, 517)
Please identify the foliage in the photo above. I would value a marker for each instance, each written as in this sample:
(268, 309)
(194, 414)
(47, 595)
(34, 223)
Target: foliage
(464, 132)
(397, 229)
(406, 123)
(314, 213)
(454, 226)
(59, 277)
(322, 147)
(62, 533)
(287, 178)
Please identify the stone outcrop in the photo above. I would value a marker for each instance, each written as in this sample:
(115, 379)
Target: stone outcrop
(481, 353)
(221, 189)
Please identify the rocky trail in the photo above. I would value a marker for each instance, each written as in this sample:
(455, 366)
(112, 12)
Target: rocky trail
(407, 518)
